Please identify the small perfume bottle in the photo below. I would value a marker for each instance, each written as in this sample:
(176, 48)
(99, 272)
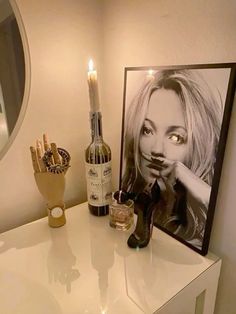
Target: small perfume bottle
(121, 211)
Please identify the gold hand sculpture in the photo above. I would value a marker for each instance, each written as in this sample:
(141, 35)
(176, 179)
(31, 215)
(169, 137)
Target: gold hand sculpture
(50, 165)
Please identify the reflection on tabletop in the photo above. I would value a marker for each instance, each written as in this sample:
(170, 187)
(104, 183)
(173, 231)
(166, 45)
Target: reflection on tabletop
(135, 264)
(146, 268)
(102, 258)
(61, 260)
(149, 268)
(87, 267)
(26, 295)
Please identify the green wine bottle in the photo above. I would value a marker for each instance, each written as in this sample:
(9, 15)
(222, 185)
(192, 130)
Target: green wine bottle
(98, 169)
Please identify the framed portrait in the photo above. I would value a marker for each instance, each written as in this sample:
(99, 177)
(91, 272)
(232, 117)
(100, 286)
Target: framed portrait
(174, 131)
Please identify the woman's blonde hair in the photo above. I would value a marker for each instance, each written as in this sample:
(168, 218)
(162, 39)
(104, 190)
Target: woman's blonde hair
(203, 115)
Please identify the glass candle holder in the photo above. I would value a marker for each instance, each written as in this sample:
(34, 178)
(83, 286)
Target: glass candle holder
(121, 214)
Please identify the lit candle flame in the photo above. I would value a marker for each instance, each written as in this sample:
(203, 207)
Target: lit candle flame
(90, 65)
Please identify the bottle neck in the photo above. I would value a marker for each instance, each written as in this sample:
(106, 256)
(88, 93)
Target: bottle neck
(96, 125)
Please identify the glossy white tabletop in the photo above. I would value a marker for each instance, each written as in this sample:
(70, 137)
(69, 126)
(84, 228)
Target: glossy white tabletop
(87, 267)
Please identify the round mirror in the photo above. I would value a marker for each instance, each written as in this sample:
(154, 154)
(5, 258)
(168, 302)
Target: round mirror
(12, 73)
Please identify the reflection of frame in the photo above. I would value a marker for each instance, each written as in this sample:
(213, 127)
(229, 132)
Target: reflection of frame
(175, 123)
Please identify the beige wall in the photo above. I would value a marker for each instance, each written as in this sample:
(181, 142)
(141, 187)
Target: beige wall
(151, 32)
(62, 36)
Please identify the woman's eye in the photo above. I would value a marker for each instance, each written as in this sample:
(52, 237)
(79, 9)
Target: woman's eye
(177, 139)
(147, 131)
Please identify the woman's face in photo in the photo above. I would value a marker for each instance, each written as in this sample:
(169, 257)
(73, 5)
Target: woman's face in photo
(163, 134)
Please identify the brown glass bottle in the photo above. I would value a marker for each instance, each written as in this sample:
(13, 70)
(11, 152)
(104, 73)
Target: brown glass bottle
(98, 169)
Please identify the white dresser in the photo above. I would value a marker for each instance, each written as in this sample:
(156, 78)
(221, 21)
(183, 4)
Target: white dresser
(87, 267)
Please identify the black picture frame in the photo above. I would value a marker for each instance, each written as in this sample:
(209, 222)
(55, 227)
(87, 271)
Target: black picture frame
(220, 80)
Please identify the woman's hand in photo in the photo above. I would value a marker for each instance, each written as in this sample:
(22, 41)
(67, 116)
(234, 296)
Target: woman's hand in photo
(175, 170)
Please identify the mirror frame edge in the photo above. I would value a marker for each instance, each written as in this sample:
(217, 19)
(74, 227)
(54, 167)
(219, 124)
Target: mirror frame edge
(25, 99)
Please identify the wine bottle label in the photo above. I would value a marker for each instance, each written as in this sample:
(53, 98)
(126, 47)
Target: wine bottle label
(99, 188)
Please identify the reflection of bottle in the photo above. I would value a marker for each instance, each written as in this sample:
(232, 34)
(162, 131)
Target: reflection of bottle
(98, 169)
(61, 260)
(102, 258)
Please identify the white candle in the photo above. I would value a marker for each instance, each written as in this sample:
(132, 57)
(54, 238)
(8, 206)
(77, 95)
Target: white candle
(93, 88)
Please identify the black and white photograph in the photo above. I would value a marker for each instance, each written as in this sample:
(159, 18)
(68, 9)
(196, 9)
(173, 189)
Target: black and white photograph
(174, 131)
